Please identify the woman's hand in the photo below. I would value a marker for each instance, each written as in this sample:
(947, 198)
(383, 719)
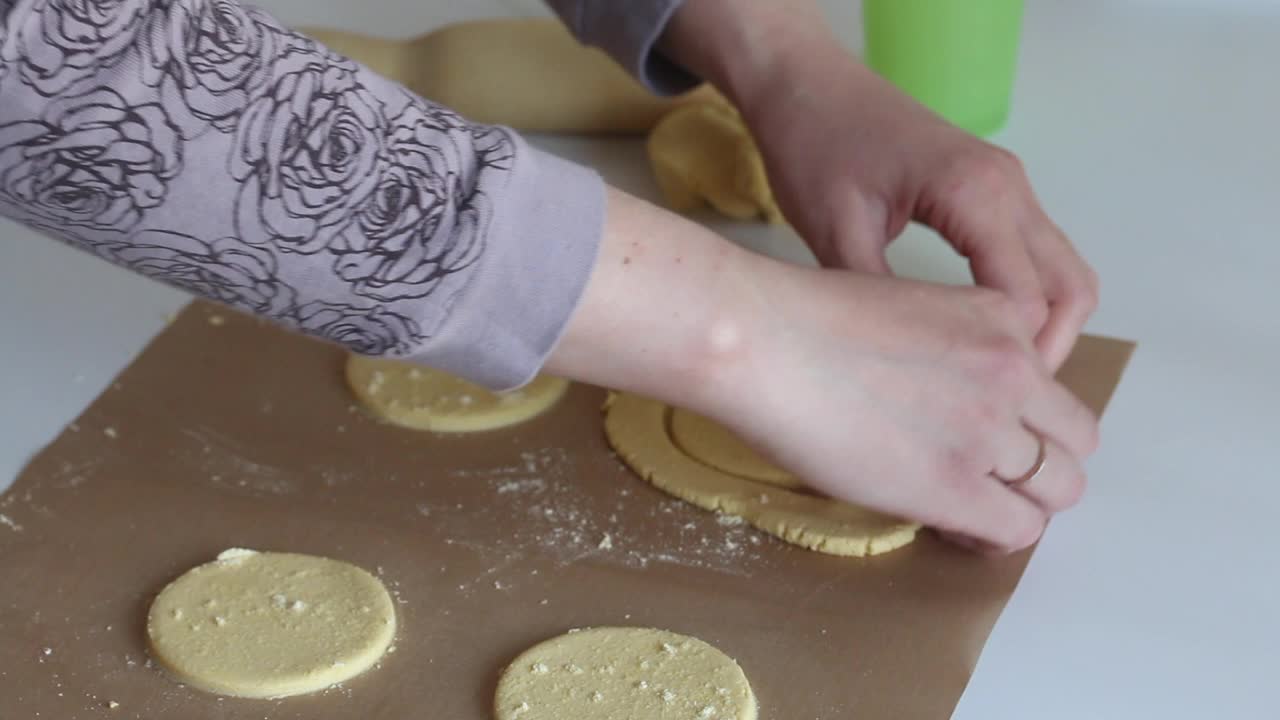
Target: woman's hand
(907, 397)
(897, 395)
(852, 160)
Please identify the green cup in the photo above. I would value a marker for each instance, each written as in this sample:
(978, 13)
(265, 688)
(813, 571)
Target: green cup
(957, 57)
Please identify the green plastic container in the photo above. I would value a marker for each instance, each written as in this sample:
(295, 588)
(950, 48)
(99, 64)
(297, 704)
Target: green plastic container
(958, 57)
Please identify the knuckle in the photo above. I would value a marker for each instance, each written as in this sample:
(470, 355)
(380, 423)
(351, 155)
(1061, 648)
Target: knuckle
(1002, 308)
(1003, 364)
(1035, 311)
(996, 169)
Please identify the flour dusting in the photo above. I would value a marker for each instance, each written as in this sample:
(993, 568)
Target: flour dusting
(544, 509)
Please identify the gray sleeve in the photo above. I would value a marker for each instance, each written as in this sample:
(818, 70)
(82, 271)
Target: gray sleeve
(628, 31)
(202, 144)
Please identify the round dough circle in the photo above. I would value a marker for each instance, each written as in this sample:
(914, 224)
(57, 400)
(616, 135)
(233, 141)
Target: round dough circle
(421, 398)
(712, 444)
(267, 625)
(637, 428)
(619, 672)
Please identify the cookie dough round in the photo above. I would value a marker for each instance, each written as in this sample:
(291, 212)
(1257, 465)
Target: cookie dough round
(712, 444)
(268, 625)
(421, 398)
(637, 428)
(618, 672)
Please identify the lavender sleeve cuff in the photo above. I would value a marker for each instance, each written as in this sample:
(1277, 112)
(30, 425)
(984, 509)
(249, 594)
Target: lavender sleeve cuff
(523, 293)
(629, 33)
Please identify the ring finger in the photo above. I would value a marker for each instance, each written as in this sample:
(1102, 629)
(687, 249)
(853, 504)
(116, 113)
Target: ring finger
(1049, 475)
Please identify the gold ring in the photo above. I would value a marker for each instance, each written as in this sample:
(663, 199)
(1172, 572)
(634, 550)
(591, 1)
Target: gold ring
(1041, 456)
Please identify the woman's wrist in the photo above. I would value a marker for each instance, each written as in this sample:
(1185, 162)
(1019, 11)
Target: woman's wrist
(748, 49)
(666, 312)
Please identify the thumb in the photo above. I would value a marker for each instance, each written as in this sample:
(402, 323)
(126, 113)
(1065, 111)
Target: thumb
(860, 240)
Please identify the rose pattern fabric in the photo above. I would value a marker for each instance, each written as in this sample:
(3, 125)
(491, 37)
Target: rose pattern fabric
(59, 45)
(368, 330)
(6, 6)
(424, 221)
(211, 59)
(308, 153)
(224, 270)
(355, 200)
(93, 161)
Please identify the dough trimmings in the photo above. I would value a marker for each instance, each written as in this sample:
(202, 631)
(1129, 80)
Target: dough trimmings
(621, 672)
(269, 625)
(421, 398)
(637, 428)
(703, 154)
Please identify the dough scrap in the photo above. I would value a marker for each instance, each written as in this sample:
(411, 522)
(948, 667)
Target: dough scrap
(703, 154)
(421, 398)
(619, 672)
(269, 625)
(530, 74)
(712, 444)
(637, 428)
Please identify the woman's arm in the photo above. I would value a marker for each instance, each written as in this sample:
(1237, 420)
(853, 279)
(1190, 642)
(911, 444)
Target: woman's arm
(897, 395)
(203, 144)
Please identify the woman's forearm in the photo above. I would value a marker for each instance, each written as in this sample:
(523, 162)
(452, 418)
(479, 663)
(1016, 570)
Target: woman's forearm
(662, 314)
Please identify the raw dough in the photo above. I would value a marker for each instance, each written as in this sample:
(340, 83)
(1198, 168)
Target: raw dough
(633, 673)
(424, 399)
(637, 429)
(528, 73)
(265, 625)
(712, 444)
(703, 153)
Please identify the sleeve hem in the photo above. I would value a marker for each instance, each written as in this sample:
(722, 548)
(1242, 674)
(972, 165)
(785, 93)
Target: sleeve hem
(543, 246)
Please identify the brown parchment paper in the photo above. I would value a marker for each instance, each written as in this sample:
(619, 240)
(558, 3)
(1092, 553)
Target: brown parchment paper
(238, 434)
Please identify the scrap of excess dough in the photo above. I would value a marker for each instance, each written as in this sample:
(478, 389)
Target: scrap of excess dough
(638, 429)
(703, 153)
(619, 672)
(421, 398)
(268, 625)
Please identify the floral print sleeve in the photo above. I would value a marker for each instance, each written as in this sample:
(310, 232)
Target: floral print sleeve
(203, 144)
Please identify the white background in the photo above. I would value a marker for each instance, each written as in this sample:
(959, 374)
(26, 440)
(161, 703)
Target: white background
(1151, 130)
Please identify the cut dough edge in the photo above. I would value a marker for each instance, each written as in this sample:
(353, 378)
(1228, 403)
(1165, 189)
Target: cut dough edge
(635, 428)
(710, 443)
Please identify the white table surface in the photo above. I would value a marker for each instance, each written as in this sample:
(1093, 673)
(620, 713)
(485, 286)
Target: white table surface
(1150, 130)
